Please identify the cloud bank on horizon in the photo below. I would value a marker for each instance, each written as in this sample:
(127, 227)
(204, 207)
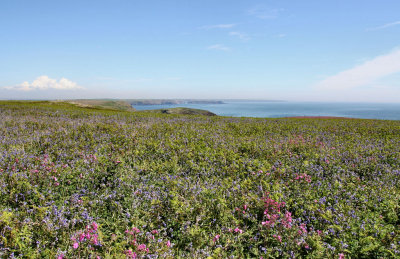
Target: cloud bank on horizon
(46, 83)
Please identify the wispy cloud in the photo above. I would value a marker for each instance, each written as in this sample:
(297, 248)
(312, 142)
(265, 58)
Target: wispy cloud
(218, 47)
(384, 26)
(364, 74)
(141, 80)
(218, 26)
(173, 78)
(264, 12)
(240, 35)
(282, 35)
(121, 80)
(45, 83)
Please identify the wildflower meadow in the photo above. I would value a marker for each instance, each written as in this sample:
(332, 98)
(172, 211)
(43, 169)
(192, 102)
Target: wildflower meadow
(92, 183)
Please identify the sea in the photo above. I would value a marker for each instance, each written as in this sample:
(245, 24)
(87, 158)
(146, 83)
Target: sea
(277, 109)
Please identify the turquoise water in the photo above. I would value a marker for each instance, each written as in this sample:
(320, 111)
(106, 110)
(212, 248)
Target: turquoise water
(289, 109)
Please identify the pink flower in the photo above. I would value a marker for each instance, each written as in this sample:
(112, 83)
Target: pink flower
(169, 243)
(142, 247)
(95, 241)
(76, 245)
(238, 230)
(216, 238)
(303, 228)
(81, 237)
(277, 237)
(130, 254)
(271, 220)
(94, 226)
(287, 220)
(61, 256)
(341, 256)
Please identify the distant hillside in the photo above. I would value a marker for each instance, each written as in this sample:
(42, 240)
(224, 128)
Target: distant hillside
(117, 105)
(123, 105)
(182, 110)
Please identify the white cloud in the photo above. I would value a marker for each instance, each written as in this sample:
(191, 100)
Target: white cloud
(45, 83)
(384, 26)
(264, 12)
(219, 47)
(364, 74)
(240, 35)
(219, 26)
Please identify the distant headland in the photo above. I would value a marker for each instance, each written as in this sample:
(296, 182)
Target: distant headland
(171, 101)
(126, 105)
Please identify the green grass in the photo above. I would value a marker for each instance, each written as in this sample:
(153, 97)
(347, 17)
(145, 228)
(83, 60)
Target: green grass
(117, 105)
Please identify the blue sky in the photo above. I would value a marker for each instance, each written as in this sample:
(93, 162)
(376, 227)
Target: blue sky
(314, 50)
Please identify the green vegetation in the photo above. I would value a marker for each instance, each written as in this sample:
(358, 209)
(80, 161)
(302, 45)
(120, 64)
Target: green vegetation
(81, 182)
(117, 105)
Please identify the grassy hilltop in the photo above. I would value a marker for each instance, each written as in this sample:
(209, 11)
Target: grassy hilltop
(117, 105)
(122, 105)
(82, 182)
